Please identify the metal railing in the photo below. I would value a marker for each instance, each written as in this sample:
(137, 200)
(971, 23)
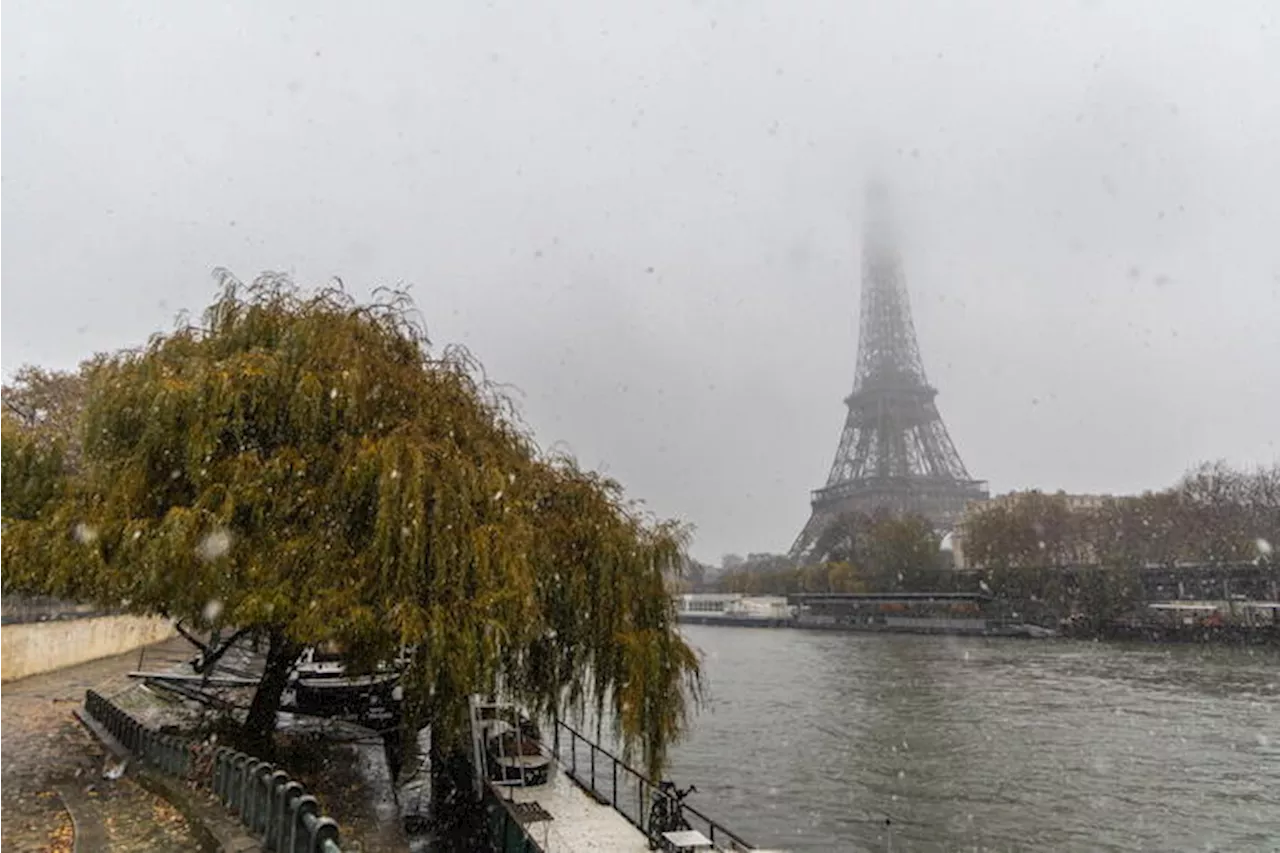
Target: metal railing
(271, 806)
(614, 783)
(507, 833)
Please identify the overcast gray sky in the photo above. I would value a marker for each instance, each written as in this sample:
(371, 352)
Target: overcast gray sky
(645, 214)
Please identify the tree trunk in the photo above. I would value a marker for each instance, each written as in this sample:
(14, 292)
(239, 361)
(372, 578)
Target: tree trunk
(282, 654)
(456, 818)
(456, 814)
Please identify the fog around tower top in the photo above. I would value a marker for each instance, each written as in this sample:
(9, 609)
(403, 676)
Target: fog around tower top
(648, 217)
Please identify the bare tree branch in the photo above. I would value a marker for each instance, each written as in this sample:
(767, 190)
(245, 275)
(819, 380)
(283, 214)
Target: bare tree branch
(211, 659)
(191, 638)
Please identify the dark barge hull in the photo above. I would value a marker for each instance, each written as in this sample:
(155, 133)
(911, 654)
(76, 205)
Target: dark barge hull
(704, 619)
(337, 696)
(1016, 631)
(1264, 635)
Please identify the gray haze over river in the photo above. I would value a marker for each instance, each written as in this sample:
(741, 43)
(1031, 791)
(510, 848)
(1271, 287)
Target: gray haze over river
(810, 739)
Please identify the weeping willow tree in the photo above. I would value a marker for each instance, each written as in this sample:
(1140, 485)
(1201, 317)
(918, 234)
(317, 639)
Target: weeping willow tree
(47, 405)
(307, 468)
(32, 479)
(34, 470)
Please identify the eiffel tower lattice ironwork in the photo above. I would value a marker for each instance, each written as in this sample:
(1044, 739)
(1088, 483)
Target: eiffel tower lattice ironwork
(895, 453)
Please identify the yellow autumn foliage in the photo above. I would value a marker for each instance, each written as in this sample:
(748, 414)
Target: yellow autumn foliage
(313, 466)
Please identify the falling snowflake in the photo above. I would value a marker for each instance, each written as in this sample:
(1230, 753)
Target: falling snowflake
(214, 545)
(212, 610)
(85, 534)
(1264, 547)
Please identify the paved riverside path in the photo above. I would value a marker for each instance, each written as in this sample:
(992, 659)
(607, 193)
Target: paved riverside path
(51, 768)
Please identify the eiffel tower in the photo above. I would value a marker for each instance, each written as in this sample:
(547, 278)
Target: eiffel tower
(895, 453)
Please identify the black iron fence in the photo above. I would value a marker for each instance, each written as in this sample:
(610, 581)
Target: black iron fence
(274, 808)
(614, 783)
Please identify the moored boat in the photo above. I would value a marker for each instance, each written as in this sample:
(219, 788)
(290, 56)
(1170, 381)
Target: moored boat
(762, 611)
(958, 613)
(570, 795)
(955, 613)
(322, 686)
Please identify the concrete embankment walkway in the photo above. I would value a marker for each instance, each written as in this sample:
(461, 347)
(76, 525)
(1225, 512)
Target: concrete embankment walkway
(53, 795)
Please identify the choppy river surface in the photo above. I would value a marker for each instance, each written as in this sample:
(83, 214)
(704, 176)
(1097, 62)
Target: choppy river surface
(810, 740)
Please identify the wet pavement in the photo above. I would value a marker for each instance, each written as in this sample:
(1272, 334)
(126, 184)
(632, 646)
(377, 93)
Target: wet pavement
(51, 772)
(53, 769)
(343, 765)
(345, 768)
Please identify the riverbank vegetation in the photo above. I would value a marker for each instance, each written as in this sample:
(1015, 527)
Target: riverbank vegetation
(857, 553)
(309, 469)
(1048, 557)
(1214, 515)
(1053, 561)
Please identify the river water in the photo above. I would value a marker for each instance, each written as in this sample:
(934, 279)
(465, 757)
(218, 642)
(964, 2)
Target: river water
(810, 740)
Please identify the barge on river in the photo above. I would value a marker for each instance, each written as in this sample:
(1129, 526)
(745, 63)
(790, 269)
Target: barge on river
(720, 608)
(1236, 621)
(963, 613)
(560, 792)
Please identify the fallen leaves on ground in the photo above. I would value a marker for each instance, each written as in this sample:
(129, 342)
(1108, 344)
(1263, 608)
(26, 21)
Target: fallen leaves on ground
(62, 837)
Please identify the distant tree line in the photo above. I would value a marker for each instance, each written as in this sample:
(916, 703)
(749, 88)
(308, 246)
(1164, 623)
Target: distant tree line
(1214, 515)
(1051, 561)
(1043, 556)
(857, 552)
